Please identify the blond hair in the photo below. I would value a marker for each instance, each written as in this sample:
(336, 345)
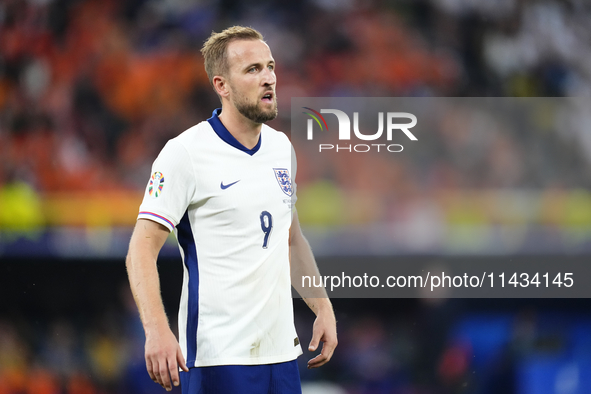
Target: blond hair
(214, 50)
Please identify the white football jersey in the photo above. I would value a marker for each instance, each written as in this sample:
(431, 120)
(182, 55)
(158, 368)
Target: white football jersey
(231, 210)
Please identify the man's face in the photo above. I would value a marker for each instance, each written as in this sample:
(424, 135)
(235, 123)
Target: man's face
(251, 78)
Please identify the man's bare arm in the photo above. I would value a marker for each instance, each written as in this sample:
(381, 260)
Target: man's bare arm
(163, 353)
(303, 263)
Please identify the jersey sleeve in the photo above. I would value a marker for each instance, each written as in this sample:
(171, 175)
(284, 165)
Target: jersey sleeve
(170, 188)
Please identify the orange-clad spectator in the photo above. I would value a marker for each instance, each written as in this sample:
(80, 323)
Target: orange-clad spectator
(134, 86)
(41, 381)
(12, 381)
(80, 384)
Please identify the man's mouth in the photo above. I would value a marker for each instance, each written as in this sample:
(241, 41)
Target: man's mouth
(267, 98)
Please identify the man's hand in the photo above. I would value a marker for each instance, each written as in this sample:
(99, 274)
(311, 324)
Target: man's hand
(303, 264)
(163, 353)
(163, 358)
(325, 330)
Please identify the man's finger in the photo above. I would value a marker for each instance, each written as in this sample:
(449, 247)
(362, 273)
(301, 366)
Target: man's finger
(325, 355)
(149, 369)
(174, 371)
(156, 371)
(315, 341)
(328, 349)
(317, 361)
(181, 360)
(164, 376)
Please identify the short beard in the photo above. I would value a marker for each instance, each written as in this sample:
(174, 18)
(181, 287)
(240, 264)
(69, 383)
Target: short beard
(254, 113)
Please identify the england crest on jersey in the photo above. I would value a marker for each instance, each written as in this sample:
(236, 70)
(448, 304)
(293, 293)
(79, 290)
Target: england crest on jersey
(282, 176)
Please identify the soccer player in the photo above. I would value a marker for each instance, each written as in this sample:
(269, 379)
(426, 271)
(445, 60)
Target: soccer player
(226, 188)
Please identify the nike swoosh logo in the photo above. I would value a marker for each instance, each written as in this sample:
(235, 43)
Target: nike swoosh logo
(224, 187)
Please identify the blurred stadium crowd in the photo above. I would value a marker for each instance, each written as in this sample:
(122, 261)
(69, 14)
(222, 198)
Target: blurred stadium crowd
(91, 342)
(90, 90)
(92, 353)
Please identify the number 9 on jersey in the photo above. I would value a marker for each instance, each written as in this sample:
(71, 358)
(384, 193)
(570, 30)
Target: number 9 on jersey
(266, 226)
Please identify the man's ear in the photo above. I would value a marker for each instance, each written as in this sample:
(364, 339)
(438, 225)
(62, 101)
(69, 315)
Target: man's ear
(221, 86)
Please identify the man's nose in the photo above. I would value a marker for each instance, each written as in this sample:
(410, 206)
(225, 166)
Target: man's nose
(269, 77)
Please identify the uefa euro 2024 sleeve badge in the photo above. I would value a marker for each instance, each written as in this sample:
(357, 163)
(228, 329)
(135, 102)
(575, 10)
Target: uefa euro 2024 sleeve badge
(282, 176)
(156, 184)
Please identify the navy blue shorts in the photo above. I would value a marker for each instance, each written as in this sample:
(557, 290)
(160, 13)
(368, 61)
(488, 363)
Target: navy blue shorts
(281, 378)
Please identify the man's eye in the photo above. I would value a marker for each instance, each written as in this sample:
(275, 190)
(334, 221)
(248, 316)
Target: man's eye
(271, 67)
(252, 69)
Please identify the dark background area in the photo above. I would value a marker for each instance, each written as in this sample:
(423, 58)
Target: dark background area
(387, 345)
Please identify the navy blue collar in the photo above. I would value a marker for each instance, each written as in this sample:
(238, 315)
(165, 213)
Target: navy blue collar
(226, 136)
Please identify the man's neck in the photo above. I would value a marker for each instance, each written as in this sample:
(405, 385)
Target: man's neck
(244, 130)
